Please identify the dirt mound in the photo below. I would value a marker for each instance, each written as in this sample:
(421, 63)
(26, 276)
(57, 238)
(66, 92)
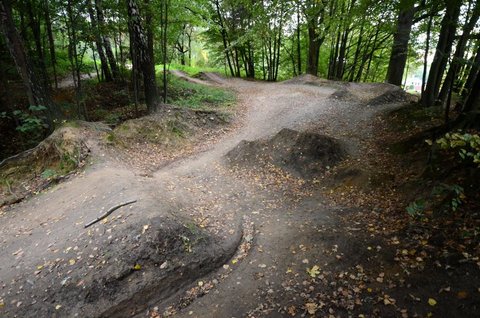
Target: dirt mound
(307, 79)
(211, 77)
(168, 127)
(31, 171)
(152, 141)
(184, 76)
(391, 96)
(300, 153)
(343, 95)
(144, 263)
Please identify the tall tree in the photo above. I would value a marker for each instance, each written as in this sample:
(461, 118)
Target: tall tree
(457, 59)
(145, 58)
(99, 43)
(36, 91)
(399, 54)
(442, 53)
(315, 12)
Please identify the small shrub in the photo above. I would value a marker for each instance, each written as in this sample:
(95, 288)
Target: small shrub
(466, 145)
(416, 209)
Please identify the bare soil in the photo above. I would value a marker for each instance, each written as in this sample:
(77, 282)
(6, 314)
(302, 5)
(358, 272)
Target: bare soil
(259, 238)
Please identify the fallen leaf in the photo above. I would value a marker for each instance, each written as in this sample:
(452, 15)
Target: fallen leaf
(462, 294)
(432, 302)
(311, 308)
(314, 271)
(292, 311)
(137, 267)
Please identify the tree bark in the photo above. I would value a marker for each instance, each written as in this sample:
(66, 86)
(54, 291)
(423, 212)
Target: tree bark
(99, 44)
(299, 50)
(456, 63)
(144, 58)
(106, 40)
(51, 41)
(37, 38)
(399, 55)
(444, 47)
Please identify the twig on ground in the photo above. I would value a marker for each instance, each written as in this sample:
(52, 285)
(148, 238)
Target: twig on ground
(104, 215)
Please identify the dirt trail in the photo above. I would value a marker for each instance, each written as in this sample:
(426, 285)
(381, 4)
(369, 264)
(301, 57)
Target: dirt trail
(44, 243)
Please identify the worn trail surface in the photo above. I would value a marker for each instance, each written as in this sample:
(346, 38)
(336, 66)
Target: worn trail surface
(253, 230)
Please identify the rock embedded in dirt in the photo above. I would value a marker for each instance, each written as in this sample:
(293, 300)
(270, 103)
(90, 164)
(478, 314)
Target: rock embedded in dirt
(303, 154)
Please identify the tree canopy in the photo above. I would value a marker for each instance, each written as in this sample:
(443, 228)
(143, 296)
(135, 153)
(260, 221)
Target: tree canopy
(131, 41)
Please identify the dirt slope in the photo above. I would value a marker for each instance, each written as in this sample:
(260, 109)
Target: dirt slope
(254, 228)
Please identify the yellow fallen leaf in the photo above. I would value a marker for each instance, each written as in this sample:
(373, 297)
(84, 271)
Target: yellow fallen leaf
(314, 271)
(39, 267)
(137, 267)
(71, 262)
(432, 302)
(289, 270)
(234, 261)
(57, 307)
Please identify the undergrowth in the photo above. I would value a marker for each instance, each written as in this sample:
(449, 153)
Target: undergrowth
(197, 96)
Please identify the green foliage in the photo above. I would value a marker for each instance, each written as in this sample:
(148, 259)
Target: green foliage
(454, 195)
(48, 173)
(197, 96)
(32, 121)
(416, 209)
(466, 145)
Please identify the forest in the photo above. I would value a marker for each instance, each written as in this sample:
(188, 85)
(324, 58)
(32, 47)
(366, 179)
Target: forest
(239, 158)
(137, 42)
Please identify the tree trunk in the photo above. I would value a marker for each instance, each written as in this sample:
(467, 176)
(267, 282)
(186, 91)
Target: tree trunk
(357, 54)
(425, 56)
(51, 41)
(106, 40)
(299, 51)
(99, 44)
(165, 4)
(223, 33)
(37, 38)
(398, 57)
(456, 63)
(314, 43)
(444, 47)
(470, 117)
(36, 93)
(474, 69)
(145, 59)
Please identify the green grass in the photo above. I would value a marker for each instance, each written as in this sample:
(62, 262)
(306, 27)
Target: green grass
(197, 96)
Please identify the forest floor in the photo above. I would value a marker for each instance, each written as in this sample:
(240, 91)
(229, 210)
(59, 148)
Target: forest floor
(287, 209)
